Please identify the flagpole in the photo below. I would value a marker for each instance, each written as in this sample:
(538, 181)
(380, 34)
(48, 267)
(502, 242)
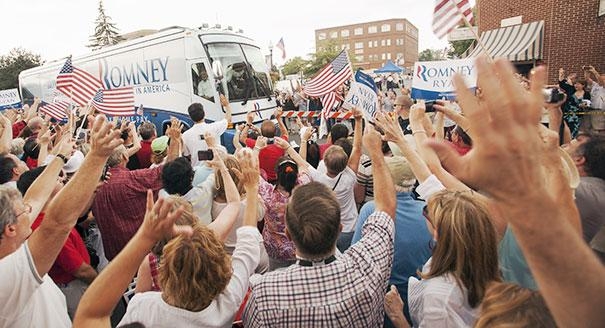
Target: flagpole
(468, 24)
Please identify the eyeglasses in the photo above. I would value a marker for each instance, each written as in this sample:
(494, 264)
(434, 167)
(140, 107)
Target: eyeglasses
(28, 210)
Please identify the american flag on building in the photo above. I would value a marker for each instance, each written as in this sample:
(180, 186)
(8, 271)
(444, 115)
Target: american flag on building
(57, 110)
(77, 84)
(328, 80)
(448, 14)
(115, 102)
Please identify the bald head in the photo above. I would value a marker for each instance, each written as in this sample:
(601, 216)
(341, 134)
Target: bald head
(267, 129)
(336, 159)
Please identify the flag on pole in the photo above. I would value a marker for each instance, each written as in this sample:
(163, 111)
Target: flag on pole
(280, 45)
(328, 80)
(57, 110)
(448, 14)
(77, 84)
(115, 102)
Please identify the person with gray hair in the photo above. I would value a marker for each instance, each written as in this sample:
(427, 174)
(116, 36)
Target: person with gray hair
(148, 133)
(28, 295)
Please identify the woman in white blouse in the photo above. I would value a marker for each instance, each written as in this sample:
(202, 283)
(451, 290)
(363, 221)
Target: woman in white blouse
(463, 265)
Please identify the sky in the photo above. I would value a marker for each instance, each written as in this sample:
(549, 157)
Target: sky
(58, 28)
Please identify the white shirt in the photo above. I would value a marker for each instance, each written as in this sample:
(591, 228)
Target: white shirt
(150, 310)
(344, 183)
(217, 208)
(439, 302)
(200, 198)
(204, 88)
(27, 299)
(193, 141)
(429, 187)
(597, 96)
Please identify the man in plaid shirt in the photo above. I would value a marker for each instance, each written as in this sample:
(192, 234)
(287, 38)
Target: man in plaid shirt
(320, 289)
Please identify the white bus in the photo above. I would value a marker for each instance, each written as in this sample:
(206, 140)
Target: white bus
(171, 69)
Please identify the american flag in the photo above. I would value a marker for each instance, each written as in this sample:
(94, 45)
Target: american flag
(77, 84)
(330, 77)
(115, 102)
(448, 14)
(57, 110)
(280, 45)
(328, 102)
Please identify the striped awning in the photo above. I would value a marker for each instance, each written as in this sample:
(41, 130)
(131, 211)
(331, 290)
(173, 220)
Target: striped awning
(522, 42)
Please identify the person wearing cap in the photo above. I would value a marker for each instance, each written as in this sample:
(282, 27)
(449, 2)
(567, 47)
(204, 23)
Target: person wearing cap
(159, 147)
(402, 106)
(412, 237)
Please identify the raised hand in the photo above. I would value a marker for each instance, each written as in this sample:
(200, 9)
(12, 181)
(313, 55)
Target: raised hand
(250, 117)
(223, 99)
(261, 142)
(281, 143)
(371, 139)
(390, 126)
(278, 112)
(357, 113)
(506, 147)
(174, 131)
(66, 147)
(103, 137)
(249, 172)
(210, 140)
(159, 221)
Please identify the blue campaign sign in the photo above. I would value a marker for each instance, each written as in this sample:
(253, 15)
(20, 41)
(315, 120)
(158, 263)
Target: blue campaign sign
(366, 80)
(434, 80)
(362, 95)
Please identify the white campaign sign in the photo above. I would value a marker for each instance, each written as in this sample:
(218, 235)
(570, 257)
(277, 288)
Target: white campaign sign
(10, 99)
(434, 80)
(364, 98)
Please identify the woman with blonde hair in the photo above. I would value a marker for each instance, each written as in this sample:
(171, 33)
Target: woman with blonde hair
(463, 264)
(201, 285)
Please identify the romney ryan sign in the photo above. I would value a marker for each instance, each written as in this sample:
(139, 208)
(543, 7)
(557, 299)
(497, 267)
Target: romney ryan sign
(434, 80)
(9, 99)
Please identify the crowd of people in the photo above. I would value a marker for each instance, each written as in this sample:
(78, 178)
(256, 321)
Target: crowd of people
(476, 215)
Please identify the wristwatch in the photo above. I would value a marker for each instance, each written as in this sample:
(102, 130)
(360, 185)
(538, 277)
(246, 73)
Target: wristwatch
(61, 156)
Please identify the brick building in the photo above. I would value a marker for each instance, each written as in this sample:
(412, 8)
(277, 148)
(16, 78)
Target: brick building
(572, 33)
(371, 44)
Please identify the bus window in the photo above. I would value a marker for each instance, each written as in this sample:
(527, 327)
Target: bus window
(258, 65)
(202, 85)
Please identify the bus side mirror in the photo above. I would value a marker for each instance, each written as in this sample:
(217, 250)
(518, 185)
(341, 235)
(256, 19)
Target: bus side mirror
(217, 69)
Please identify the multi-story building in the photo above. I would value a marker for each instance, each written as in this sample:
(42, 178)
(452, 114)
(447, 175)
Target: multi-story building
(558, 33)
(371, 44)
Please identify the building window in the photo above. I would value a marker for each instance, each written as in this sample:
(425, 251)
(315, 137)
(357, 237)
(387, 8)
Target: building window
(385, 28)
(372, 29)
(602, 8)
(344, 33)
(375, 43)
(388, 42)
(321, 36)
(399, 27)
(358, 45)
(358, 51)
(333, 35)
(384, 56)
(412, 31)
(369, 44)
(389, 55)
(358, 31)
(359, 58)
(382, 43)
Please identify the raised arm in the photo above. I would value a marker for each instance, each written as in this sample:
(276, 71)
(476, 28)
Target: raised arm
(302, 151)
(506, 158)
(174, 133)
(103, 294)
(236, 137)
(227, 106)
(453, 115)
(384, 190)
(353, 162)
(249, 119)
(249, 175)
(223, 224)
(6, 135)
(302, 164)
(282, 126)
(136, 140)
(62, 213)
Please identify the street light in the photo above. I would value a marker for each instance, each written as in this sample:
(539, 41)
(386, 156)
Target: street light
(271, 56)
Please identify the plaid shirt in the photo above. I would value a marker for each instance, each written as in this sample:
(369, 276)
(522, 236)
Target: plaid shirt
(119, 205)
(348, 292)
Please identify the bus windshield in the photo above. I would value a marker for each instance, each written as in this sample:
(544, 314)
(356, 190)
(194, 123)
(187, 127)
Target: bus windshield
(245, 71)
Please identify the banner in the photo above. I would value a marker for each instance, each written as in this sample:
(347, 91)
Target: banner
(434, 80)
(9, 99)
(362, 94)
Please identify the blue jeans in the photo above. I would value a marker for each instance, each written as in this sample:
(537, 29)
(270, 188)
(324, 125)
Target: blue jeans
(344, 241)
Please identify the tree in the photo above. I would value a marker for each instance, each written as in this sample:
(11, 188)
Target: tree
(294, 65)
(457, 48)
(430, 55)
(106, 32)
(13, 63)
(322, 56)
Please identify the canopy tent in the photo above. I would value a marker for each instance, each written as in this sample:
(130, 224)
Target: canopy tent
(389, 67)
(523, 42)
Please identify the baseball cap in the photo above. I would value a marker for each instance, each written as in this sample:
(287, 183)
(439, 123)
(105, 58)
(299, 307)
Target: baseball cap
(159, 145)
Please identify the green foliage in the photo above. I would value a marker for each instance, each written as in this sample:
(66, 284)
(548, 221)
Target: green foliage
(106, 32)
(294, 65)
(13, 63)
(430, 55)
(321, 58)
(457, 48)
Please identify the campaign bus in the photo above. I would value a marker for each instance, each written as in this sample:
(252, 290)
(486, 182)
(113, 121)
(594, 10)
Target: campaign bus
(171, 69)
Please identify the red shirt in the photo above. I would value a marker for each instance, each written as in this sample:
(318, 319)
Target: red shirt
(31, 163)
(267, 158)
(119, 205)
(323, 148)
(72, 256)
(462, 150)
(17, 127)
(144, 154)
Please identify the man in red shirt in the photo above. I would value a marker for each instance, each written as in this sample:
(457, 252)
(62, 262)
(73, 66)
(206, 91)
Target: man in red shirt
(268, 155)
(148, 133)
(71, 271)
